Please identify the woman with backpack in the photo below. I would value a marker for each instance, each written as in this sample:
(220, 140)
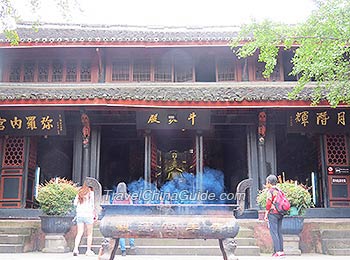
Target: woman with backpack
(273, 216)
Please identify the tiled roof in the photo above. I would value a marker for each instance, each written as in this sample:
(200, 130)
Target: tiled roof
(54, 33)
(181, 92)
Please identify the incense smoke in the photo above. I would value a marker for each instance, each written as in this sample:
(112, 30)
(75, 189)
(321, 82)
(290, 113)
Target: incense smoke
(183, 189)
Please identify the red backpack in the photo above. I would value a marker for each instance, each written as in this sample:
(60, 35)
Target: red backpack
(281, 203)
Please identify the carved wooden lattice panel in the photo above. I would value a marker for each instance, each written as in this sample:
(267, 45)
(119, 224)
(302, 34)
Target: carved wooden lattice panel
(85, 71)
(13, 152)
(12, 171)
(43, 72)
(57, 71)
(336, 150)
(142, 70)
(163, 71)
(226, 70)
(120, 70)
(15, 72)
(29, 70)
(71, 71)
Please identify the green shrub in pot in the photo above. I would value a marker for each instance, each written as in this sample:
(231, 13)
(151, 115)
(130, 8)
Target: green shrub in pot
(56, 196)
(298, 195)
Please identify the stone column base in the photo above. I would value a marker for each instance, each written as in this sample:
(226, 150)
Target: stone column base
(55, 243)
(291, 244)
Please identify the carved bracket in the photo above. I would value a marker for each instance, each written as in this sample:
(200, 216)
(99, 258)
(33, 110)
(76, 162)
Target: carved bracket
(86, 128)
(262, 127)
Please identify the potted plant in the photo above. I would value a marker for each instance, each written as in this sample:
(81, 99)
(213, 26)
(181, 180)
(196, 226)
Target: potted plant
(297, 194)
(55, 198)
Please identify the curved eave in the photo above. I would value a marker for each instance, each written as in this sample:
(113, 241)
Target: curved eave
(97, 102)
(185, 95)
(115, 44)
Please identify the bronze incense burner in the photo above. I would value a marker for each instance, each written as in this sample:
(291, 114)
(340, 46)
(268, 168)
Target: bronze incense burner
(181, 221)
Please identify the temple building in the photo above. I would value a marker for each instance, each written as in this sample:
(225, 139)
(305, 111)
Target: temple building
(120, 103)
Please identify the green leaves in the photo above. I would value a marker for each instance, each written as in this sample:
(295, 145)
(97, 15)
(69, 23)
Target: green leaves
(322, 53)
(10, 16)
(297, 194)
(12, 35)
(56, 196)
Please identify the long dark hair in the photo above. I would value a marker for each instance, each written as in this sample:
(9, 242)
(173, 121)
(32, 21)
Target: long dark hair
(83, 191)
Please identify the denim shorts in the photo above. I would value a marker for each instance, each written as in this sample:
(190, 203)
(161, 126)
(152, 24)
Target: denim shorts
(86, 220)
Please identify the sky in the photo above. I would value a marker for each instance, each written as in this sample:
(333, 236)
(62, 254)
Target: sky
(172, 12)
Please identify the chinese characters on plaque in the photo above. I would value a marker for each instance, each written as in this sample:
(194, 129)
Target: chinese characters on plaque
(32, 123)
(318, 121)
(173, 119)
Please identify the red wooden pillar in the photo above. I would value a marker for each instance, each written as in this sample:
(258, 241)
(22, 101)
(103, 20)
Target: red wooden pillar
(17, 176)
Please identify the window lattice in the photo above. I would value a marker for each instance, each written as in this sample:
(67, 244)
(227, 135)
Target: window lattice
(244, 67)
(85, 71)
(120, 70)
(57, 71)
(336, 150)
(142, 70)
(14, 152)
(226, 70)
(15, 72)
(276, 75)
(43, 72)
(71, 71)
(259, 68)
(183, 70)
(29, 69)
(163, 71)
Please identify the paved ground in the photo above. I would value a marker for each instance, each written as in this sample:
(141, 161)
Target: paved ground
(69, 256)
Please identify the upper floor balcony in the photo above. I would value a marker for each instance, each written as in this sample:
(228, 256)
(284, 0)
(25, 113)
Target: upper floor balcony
(121, 65)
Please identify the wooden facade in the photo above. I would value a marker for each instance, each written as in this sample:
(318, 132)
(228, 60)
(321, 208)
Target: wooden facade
(103, 86)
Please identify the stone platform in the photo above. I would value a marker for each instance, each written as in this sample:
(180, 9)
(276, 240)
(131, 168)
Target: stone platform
(25, 235)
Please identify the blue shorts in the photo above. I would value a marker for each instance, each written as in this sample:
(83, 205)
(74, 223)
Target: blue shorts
(86, 220)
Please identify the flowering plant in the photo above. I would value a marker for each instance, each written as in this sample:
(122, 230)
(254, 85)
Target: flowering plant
(56, 196)
(297, 194)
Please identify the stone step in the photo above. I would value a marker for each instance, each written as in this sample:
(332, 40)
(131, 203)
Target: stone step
(11, 248)
(20, 223)
(15, 230)
(247, 251)
(182, 250)
(245, 232)
(339, 251)
(12, 238)
(177, 242)
(246, 245)
(335, 233)
(334, 243)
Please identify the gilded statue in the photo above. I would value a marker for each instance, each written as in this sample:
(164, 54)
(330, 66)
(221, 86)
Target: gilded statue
(174, 166)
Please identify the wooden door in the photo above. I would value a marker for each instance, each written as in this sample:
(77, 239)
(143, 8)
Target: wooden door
(17, 175)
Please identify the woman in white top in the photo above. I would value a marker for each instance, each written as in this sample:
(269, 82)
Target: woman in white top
(85, 214)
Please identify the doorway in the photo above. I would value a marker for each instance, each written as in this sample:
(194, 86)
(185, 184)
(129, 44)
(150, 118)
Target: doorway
(173, 153)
